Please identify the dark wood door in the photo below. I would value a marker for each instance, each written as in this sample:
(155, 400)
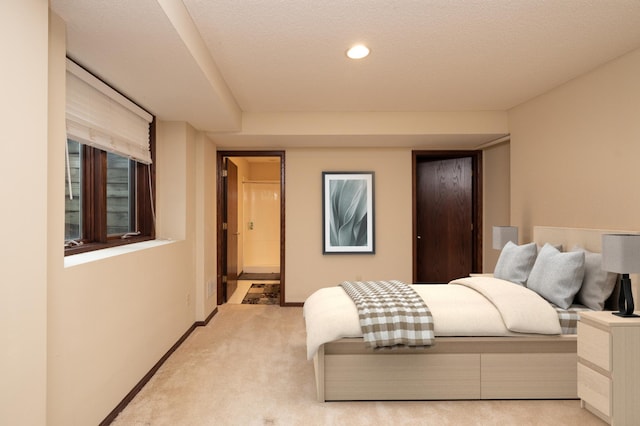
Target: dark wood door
(232, 229)
(444, 219)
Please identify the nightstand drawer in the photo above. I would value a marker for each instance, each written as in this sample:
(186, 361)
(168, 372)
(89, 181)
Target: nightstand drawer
(595, 389)
(608, 373)
(593, 346)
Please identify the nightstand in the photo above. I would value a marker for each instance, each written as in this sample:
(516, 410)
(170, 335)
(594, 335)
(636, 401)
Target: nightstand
(609, 366)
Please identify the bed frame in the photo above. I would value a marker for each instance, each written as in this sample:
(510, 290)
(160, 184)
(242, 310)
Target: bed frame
(528, 367)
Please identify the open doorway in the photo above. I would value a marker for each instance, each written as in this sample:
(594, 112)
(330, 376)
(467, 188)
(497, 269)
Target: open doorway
(250, 225)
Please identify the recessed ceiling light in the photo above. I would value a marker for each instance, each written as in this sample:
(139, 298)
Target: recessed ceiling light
(358, 51)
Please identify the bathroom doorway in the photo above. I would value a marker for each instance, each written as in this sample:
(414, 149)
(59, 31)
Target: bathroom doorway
(250, 226)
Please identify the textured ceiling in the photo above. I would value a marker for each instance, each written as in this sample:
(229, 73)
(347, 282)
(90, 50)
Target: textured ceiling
(219, 63)
(438, 55)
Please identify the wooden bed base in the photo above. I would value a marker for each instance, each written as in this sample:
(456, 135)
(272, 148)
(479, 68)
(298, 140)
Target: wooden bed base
(527, 367)
(454, 368)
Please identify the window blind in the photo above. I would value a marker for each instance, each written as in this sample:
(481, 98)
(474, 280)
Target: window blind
(99, 116)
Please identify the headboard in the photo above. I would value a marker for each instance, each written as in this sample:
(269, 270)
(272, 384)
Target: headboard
(589, 239)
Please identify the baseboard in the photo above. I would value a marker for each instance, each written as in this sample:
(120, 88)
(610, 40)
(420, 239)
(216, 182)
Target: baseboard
(206, 321)
(138, 387)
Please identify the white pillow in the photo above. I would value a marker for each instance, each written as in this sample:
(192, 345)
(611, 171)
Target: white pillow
(515, 262)
(557, 276)
(597, 284)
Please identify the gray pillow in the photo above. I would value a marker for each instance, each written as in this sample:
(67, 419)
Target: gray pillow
(597, 284)
(515, 262)
(557, 246)
(557, 276)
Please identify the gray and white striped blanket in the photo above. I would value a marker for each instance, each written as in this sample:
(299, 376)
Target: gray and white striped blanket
(569, 317)
(391, 314)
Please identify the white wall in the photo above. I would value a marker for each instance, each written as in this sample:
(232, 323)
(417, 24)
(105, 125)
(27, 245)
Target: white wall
(23, 191)
(261, 227)
(261, 199)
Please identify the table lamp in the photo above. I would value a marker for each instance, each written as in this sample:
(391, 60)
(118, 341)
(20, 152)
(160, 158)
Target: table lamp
(621, 254)
(504, 234)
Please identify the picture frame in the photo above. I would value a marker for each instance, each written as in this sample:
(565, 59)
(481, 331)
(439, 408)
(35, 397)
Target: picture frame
(348, 213)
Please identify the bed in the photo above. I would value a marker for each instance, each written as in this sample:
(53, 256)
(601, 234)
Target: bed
(473, 365)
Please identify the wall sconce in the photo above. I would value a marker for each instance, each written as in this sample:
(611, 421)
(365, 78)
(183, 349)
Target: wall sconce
(621, 254)
(503, 234)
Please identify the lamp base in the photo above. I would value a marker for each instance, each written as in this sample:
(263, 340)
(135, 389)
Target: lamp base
(625, 299)
(622, 314)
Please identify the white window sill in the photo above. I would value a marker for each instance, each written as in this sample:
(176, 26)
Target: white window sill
(92, 256)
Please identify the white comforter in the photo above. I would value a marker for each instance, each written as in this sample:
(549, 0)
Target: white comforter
(476, 306)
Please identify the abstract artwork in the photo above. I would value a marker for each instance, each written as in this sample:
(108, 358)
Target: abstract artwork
(347, 202)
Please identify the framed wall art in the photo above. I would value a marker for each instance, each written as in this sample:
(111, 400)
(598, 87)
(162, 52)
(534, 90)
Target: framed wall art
(348, 217)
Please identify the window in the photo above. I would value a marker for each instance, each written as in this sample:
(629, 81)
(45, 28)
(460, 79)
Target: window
(109, 169)
(72, 217)
(120, 195)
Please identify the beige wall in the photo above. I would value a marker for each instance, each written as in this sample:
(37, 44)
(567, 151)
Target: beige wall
(205, 231)
(23, 190)
(495, 194)
(575, 151)
(304, 213)
(80, 333)
(307, 269)
(265, 171)
(115, 313)
(110, 314)
(393, 215)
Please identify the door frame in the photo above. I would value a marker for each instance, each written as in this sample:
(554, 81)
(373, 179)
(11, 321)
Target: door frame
(476, 165)
(228, 257)
(221, 208)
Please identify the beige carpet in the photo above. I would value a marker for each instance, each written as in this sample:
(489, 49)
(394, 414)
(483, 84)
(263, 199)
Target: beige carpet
(248, 367)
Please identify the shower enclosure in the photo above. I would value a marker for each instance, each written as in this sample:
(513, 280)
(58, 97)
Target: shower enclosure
(261, 225)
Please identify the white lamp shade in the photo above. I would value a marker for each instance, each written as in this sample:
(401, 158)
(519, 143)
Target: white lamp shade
(503, 234)
(621, 253)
